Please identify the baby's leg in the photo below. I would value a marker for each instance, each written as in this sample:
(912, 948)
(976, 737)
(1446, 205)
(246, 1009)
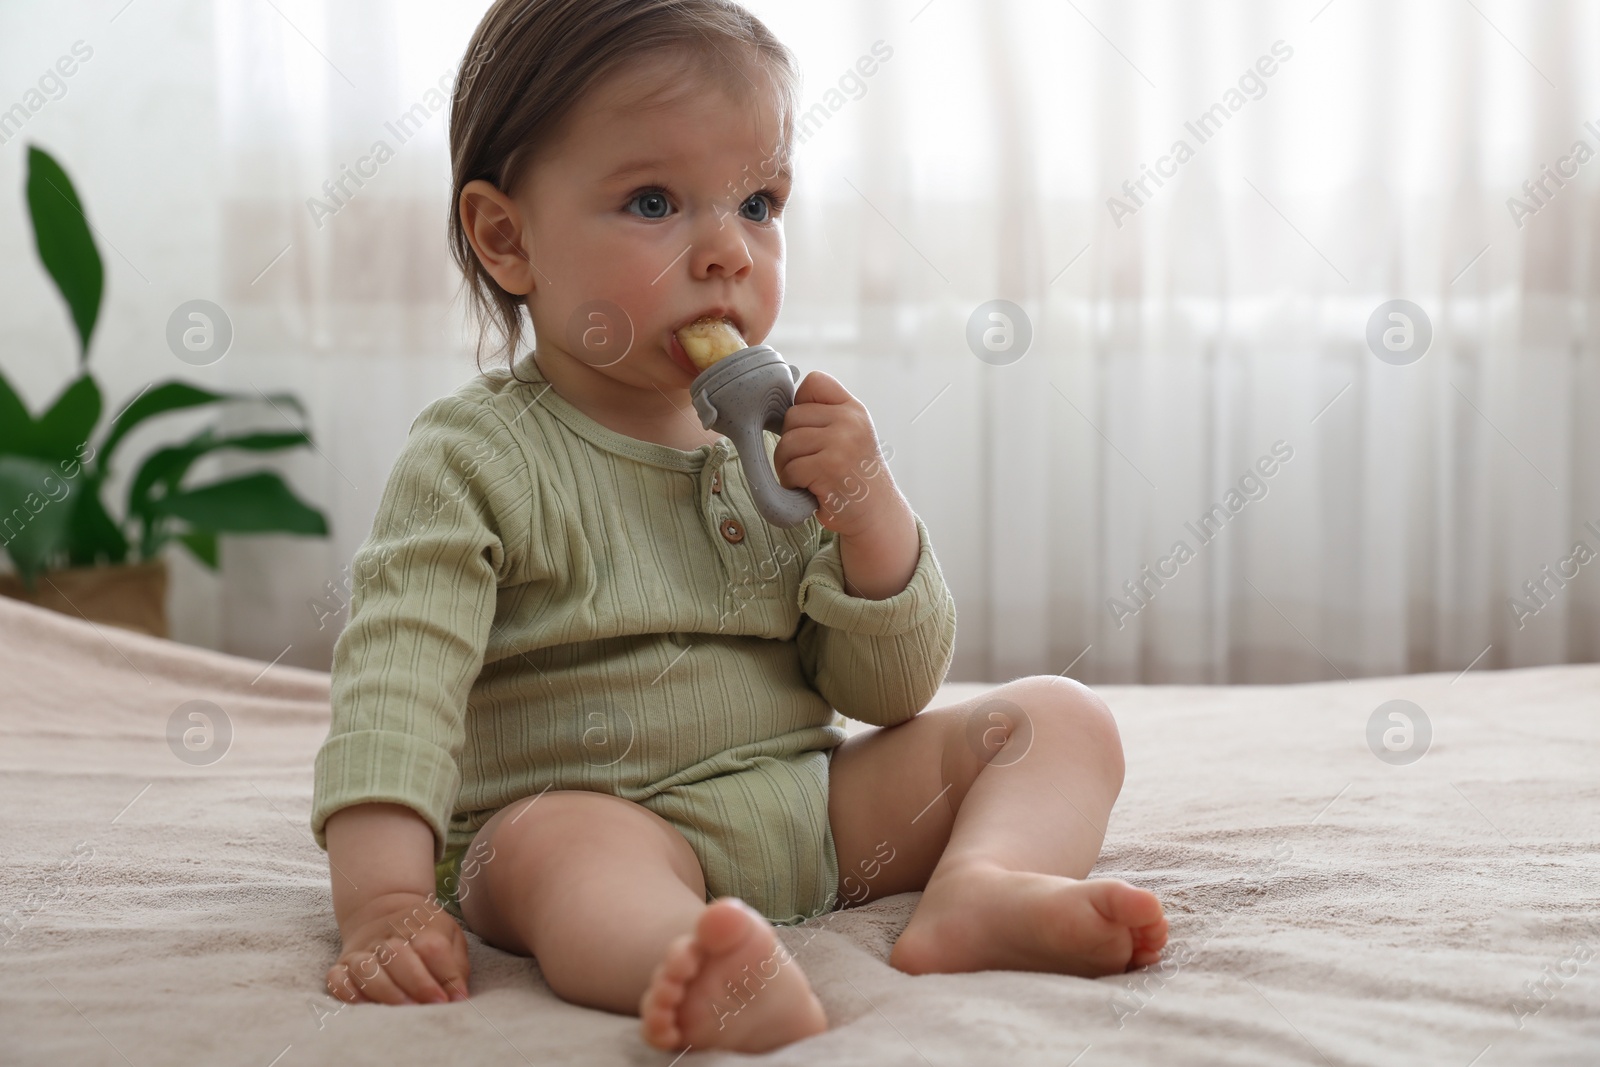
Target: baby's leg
(610, 899)
(996, 807)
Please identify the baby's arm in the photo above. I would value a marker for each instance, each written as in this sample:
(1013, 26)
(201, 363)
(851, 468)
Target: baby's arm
(875, 643)
(399, 944)
(879, 661)
(453, 524)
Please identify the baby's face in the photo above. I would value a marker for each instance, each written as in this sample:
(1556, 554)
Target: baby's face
(667, 213)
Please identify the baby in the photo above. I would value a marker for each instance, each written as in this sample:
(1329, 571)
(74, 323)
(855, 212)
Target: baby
(589, 705)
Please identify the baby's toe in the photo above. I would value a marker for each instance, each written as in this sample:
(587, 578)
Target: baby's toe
(658, 1024)
(1131, 906)
(660, 1033)
(1151, 938)
(724, 925)
(682, 961)
(1144, 957)
(658, 1007)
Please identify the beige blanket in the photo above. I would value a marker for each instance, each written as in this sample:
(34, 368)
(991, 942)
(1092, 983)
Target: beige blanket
(1327, 907)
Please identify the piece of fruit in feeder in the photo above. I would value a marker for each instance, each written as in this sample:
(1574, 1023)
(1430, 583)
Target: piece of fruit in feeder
(708, 340)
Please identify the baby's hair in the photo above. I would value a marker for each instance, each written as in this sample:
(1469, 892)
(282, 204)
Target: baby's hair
(531, 62)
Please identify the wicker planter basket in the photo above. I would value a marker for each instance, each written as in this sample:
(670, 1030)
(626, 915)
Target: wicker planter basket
(132, 596)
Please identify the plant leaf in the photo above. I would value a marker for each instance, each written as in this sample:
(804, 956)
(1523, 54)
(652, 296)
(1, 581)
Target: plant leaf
(166, 467)
(32, 520)
(203, 543)
(252, 503)
(16, 425)
(68, 422)
(93, 536)
(173, 396)
(168, 396)
(61, 231)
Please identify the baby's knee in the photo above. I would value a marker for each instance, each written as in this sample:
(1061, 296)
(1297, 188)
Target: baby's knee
(1054, 701)
(570, 826)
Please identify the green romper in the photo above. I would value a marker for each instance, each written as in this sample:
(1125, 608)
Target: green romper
(544, 603)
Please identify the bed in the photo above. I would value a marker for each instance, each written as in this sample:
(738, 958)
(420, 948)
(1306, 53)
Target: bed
(163, 901)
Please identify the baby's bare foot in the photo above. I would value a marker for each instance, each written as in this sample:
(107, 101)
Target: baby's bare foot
(729, 984)
(985, 918)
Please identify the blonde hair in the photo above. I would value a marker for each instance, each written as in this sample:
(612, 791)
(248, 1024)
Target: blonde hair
(530, 63)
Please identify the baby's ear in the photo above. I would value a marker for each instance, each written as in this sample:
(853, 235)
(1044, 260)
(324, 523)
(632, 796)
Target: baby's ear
(493, 223)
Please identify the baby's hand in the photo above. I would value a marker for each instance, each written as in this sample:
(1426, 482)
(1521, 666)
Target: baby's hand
(829, 447)
(406, 949)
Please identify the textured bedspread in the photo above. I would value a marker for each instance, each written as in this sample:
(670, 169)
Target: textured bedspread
(162, 905)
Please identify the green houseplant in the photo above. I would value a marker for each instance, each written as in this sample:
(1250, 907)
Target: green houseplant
(54, 521)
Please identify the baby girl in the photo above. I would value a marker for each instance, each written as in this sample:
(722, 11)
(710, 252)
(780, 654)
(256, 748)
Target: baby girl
(589, 704)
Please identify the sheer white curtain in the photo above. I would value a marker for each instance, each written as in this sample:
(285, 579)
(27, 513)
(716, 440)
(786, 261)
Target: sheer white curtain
(1355, 153)
(1176, 339)
(334, 157)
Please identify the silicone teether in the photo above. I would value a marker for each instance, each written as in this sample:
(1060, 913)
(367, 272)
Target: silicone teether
(739, 394)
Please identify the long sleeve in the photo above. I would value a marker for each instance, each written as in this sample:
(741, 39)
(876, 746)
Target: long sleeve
(879, 661)
(456, 516)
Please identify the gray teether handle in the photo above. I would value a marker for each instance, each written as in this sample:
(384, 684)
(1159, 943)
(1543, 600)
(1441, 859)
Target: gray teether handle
(739, 397)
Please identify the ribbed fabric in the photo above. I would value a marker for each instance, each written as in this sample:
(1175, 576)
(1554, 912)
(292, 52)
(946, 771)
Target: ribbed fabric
(546, 603)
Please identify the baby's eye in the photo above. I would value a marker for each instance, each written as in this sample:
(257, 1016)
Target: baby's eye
(654, 201)
(763, 208)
